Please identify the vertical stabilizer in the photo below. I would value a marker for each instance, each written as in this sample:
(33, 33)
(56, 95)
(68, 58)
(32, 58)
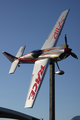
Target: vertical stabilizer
(20, 52)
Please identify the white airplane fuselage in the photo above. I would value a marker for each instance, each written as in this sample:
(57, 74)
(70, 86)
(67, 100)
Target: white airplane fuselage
(56, 54)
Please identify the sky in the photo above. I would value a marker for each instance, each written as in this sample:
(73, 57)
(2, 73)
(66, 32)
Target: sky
(29, 22)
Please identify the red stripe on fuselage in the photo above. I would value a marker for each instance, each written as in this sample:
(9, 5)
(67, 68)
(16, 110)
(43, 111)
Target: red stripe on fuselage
(27, 60)
(30, 60)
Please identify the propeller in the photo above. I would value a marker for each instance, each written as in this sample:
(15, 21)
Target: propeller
(71, 53)
(66, 41)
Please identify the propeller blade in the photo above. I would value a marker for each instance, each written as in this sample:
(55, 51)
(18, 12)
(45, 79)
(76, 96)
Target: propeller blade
(66, 40)
(70, 53)
(73, 55)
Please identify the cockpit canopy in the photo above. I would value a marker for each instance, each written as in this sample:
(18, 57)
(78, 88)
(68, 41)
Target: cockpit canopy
(36, 53)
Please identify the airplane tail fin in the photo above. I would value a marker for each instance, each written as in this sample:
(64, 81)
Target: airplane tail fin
(14, 60)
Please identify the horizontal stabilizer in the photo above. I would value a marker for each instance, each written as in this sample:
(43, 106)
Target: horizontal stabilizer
(13, 66)
(20, 52)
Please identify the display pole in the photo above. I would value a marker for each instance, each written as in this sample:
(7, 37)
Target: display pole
(52, 92)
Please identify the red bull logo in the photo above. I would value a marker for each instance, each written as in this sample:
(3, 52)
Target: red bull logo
(36, 84)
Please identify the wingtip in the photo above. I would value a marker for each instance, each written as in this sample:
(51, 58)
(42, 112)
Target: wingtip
(68, 10)
(27, 106)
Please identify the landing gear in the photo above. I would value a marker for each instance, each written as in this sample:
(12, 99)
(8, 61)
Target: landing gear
(60, 72)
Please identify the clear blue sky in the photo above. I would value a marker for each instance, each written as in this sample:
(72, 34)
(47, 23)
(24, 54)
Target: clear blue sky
(29, 22)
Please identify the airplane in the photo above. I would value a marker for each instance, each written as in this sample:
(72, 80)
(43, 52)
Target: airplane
(49, 53)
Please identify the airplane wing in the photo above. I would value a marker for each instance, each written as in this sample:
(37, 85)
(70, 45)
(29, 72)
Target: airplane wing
(56, 31)
(40, 66)
(39, 71)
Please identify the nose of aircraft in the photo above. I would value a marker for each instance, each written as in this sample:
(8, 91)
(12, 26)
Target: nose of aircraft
(67, 50)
